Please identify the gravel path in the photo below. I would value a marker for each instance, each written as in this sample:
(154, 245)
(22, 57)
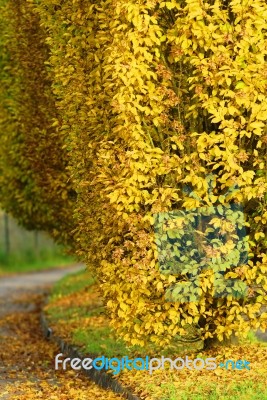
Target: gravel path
(24, 357)
(22, 283)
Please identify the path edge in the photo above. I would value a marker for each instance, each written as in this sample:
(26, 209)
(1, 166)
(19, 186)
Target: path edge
(101, 378)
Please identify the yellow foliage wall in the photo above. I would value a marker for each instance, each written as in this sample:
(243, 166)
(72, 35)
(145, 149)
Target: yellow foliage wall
(154, 96)
(34, 182)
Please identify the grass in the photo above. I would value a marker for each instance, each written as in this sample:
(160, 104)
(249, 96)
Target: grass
(76, 313)
(28, 260)
(245, 391)
(22, 250)
(74, 300)
(71, 284)
(100, 341)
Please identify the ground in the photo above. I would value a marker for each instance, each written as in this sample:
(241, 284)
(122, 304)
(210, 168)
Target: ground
(27, 368)
(27, 358)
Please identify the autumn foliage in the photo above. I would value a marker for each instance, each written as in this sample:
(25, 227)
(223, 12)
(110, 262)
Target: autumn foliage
(34, 182)
(162, 107)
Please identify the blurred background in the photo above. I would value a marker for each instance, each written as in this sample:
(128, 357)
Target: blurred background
(22, 250)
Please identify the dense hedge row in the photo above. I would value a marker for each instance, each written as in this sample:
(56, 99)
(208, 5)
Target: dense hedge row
(162, 107)
(34, 182)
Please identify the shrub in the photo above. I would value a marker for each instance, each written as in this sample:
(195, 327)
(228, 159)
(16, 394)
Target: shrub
(155, 96)
(35, 185)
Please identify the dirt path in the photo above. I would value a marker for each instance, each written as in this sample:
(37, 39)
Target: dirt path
(26, 358)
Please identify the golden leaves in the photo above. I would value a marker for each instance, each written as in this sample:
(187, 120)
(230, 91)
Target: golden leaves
(147, 106)
(28, 360)
(34, 184)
